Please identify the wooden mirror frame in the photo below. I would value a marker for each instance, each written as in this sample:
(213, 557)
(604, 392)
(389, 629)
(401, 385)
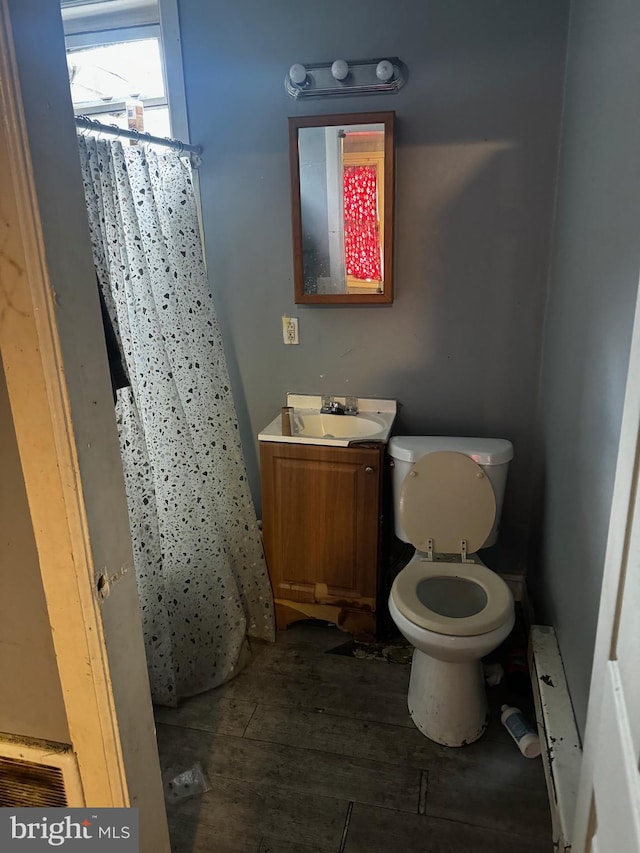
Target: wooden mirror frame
(297, 122)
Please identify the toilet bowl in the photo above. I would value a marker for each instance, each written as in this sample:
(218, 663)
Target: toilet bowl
(452, 609)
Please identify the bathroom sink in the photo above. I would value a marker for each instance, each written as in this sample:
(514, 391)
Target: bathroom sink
(311, 426)
(336, 426)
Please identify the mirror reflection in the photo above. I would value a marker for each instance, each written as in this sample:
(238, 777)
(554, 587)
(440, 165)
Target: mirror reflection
(342, 178)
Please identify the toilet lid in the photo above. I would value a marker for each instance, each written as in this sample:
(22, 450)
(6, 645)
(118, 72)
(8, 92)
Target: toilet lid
(447, 497)
(458, 599)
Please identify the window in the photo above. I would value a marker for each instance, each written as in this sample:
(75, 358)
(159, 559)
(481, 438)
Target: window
(117, 77)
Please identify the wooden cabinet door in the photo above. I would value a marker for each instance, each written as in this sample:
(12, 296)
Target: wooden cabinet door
(320, 508)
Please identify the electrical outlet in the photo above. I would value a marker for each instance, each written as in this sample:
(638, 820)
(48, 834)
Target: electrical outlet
(290, 330)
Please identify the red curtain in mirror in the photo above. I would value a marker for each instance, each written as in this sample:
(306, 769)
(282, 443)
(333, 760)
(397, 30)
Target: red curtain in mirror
(361, 235)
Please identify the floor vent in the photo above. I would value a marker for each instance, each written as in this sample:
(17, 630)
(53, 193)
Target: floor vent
(37, 774)
(27, 785)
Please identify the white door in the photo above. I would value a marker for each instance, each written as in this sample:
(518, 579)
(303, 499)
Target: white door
(54, 358)
(608, 805)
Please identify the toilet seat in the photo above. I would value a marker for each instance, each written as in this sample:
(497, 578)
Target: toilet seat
(446, 497)
(489, 596)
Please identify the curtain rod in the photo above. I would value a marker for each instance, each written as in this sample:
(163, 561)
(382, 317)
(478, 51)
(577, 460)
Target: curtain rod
(176, 144)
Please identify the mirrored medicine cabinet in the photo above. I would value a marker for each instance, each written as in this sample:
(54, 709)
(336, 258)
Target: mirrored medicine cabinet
(342, 203)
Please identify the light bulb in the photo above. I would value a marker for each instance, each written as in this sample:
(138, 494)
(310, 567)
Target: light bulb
(340, 69)
(298, 74)
(384, 70)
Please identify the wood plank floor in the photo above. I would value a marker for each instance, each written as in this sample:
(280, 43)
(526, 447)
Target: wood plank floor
(309, 752)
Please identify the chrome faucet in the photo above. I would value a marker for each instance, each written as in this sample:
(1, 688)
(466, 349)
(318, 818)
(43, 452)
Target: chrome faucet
(332, 407)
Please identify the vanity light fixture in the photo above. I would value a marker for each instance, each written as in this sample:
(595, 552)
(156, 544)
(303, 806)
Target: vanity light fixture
(342, 77)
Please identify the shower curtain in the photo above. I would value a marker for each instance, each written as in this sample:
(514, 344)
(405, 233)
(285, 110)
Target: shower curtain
(202, 580)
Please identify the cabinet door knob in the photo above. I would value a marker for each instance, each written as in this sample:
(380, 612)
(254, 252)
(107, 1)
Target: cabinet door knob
(369, 469)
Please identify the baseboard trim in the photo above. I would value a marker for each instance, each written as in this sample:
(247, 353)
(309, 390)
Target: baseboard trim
(559, 737)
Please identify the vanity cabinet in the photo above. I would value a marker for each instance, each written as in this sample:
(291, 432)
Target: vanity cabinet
(321, 511)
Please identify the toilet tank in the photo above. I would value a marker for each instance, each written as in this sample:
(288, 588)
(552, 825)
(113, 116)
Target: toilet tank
(491, 454)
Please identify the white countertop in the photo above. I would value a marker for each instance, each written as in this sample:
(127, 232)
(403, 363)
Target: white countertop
(382, 412)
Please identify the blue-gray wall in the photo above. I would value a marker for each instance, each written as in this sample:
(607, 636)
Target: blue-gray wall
(592, 291)
(477, 137)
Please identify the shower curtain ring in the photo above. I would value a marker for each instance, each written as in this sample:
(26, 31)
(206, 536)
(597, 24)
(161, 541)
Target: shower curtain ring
(176, 144)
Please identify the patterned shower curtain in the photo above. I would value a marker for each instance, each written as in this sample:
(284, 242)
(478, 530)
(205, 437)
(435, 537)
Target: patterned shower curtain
(202, 579)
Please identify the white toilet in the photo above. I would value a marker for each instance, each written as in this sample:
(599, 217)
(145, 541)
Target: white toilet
(448, 495)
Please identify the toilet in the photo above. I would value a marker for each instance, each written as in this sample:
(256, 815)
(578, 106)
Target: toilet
(447, 496)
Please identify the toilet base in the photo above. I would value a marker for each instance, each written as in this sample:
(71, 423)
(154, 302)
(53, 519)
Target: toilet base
(448, 700)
